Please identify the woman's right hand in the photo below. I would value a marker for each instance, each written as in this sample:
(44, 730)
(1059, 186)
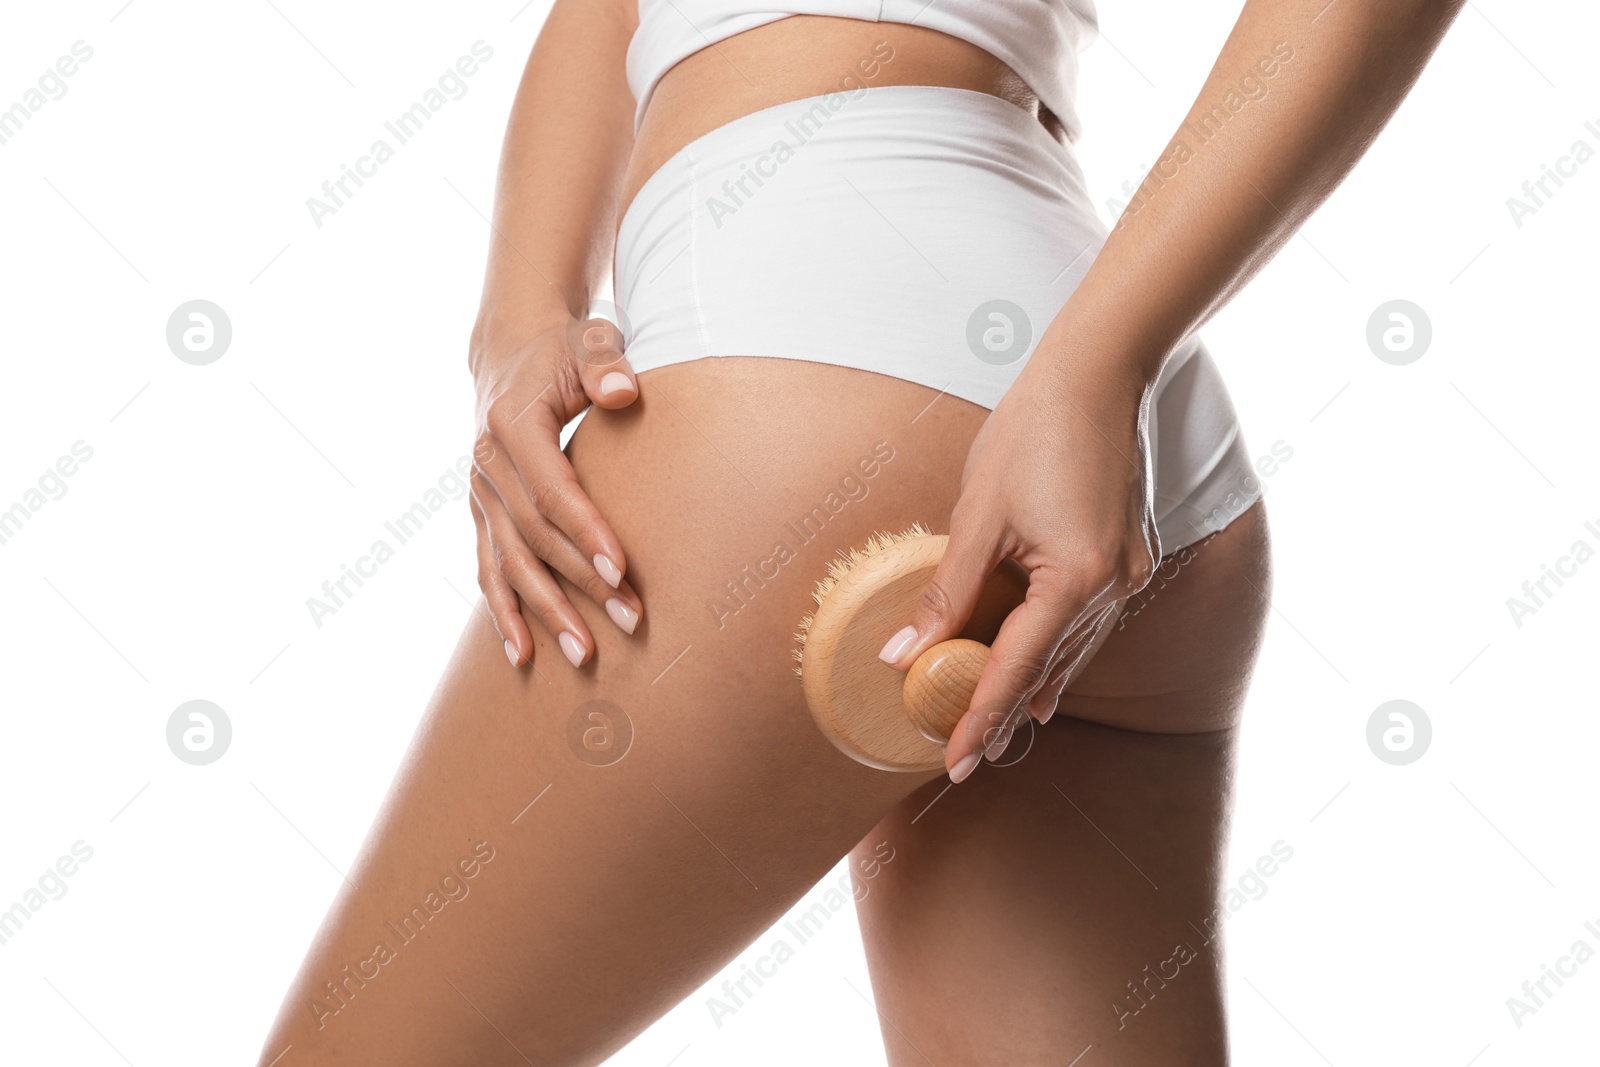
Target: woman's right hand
(532, 515)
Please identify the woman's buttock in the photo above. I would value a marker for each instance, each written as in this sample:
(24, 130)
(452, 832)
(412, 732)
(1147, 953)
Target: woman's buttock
(755, 474)
(802, 56)
(776, 467)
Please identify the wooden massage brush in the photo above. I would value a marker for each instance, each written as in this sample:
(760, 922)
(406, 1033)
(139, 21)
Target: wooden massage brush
(872, 712)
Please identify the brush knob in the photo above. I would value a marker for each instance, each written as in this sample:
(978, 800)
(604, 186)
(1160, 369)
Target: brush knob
(873, 713)
(938, 687)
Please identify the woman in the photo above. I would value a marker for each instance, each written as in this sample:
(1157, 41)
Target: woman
(841, 238)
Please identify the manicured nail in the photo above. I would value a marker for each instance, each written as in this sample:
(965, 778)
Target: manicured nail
(964, 766)
(624, 616)
(511, 653)
(608, 570)
(571, 647)
(1042, 706)
(615, 382)
(898, 644)
(1002, 737)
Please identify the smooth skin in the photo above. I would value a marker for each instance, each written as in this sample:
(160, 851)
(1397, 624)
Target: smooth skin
(1022, 903)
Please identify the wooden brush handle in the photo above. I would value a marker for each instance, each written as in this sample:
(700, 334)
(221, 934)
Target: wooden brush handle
(939, 685)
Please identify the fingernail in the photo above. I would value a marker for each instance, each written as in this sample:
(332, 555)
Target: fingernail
(511, 653)
(963, 767)
(1002, 737)
(571, 647)
(898, 644)
(622, 615)
(615, 382)
(1042, 705)
(608, 570)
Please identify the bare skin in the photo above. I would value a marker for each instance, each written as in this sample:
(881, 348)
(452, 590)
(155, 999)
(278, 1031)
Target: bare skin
(1020, 905)
(625, 886)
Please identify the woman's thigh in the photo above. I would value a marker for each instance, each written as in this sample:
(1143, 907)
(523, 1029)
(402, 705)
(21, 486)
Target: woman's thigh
(1064, 901)
(524, 894)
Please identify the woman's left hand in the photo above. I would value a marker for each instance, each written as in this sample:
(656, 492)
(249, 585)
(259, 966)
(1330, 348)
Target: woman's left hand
(1060, 479)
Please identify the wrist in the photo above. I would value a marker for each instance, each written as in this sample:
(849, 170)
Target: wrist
(1096, 363)
(1106, 331)
(500, 331)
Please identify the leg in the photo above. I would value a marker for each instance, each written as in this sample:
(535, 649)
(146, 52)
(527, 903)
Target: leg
(515, 903)
(1068, 899)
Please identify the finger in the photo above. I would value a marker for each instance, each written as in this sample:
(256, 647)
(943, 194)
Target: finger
(534, 583)
(998, 738)
(1022, 652)
(607, 380)
(979, 732)
(504, 607)
(1060, 622)
(562, 526)
(987, 726)
(1070, 659)
(969, 558)
(592, 574)
(1042, 704)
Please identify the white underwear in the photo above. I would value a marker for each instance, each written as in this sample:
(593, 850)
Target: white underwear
(923, 232)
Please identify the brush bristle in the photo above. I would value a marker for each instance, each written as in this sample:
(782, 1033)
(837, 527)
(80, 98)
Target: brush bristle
(843, 564)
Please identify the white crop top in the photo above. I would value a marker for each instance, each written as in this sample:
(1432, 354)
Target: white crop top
(1039, 39)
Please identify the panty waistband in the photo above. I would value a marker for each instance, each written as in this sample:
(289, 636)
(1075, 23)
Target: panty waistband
(867, 126)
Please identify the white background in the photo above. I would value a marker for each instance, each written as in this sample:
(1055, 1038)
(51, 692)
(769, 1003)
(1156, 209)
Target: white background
(218, 498)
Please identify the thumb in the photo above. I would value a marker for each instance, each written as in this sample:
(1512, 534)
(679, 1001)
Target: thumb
(946, 605)
(607, 379)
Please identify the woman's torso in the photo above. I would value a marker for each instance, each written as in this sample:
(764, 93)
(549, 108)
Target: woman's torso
(803, 56)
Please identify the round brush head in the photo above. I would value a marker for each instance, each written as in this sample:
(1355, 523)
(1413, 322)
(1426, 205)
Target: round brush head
(875, 714)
